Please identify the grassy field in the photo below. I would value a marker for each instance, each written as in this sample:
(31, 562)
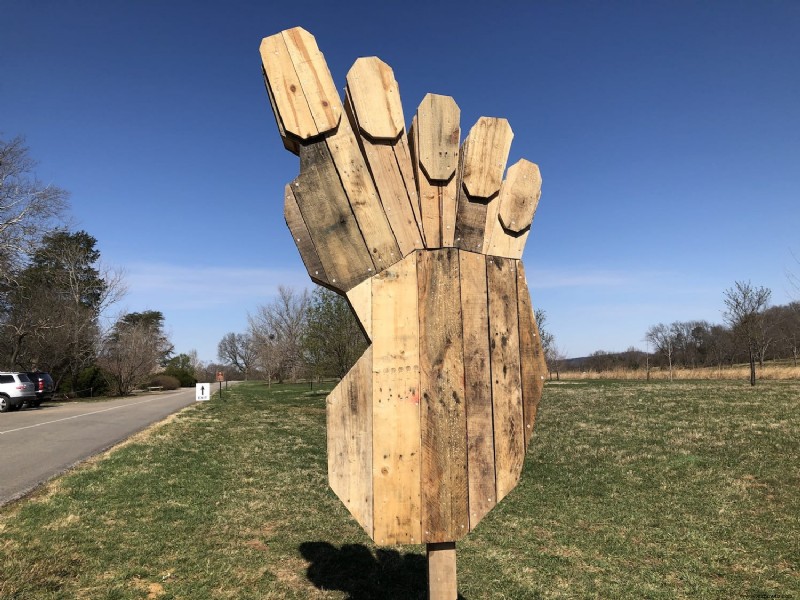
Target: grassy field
(630, 490)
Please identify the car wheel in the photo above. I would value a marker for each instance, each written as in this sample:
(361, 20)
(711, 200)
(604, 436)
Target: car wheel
(4, 404)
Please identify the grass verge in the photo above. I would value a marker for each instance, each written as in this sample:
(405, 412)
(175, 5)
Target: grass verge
(630, 490)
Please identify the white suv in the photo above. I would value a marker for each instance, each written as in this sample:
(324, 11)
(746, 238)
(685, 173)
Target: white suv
(15, 390)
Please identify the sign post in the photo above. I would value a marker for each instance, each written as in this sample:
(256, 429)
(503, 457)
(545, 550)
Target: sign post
(202, 392)
(220, 379)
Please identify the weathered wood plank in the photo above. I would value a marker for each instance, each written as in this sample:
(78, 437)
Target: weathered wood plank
(470, 216)
(403, 156)
(439, 133)
(430, 217)
(360, 299)
(329, 218)
(290, 142)
(376, 98)
(478, 387)
(315, 78)
(395, 417)
(391, 188)
(442, 575)
(520, 197)
(442, 410)
(509, 433)
(349, 419)
(289, 101)
(485, 157)
(302, 239)
(534, 368)
(363, 197)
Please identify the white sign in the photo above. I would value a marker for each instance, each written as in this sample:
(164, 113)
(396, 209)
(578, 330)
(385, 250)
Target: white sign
(202, 391)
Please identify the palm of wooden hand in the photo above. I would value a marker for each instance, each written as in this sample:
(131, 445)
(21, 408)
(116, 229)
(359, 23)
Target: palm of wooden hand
(428, 431)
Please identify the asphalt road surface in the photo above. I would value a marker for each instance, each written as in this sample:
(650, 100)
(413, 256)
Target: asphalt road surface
(37, 444)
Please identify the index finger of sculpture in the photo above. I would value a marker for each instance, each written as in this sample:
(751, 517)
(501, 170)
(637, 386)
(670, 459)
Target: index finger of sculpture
(435, 135)
(483, 161)
(373, 106)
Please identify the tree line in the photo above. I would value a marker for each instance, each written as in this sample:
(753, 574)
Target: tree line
(751, 332)
(56, 295)
(297, 335)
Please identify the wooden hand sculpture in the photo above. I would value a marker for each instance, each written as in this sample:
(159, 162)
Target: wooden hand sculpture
(429, 429)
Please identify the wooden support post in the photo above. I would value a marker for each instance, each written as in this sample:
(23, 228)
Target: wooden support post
(442, 571)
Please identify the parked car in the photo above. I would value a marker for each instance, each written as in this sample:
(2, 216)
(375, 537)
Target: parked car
(15, 390)
(43, 386)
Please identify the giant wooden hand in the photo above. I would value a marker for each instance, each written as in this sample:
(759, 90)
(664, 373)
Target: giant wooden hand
(428, 431)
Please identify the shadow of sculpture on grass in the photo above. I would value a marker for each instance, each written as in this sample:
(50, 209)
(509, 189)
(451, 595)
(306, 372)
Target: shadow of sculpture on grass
(364, 575)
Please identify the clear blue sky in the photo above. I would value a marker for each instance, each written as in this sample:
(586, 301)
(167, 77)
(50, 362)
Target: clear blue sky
(668, 135)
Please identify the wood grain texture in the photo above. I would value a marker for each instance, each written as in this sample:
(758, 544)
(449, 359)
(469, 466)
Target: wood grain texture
(302, 238)
(363, 197)
(478, 387)
(360, 300)
(403, 155)
(485, 157)
(376, 98)
(520, 196)
(470, 216)
(442, 575)
(302, 91)
(390, 187)
(509, 433)
(442, 409)
(329, 218)
(395, 405)
(315, 78)
(534, 368)
(349, 419)
(439, 133)
(290, 142)
(430, 216)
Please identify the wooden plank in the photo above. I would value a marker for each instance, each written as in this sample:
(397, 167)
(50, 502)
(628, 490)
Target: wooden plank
(315, 79)
(509, 434)
(430, 217)
(470, 216)
(442, 409)
(391, 188)
(302, 238)
(439, 135)
(485, 157)
(349, 419)
(403, 155)
(478, 387)
(516, 206)
(289, 141)
(449, 208)
(376, 98)
(363, 197)
(360, 299)
(395, 405)
(533, 366)
(442, 575)
(330, 221)
(520, 197)
(289, 101)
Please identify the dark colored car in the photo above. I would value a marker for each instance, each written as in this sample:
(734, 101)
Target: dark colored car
(43, 385)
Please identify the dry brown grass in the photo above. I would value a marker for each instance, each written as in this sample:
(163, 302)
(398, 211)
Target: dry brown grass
(735, 373)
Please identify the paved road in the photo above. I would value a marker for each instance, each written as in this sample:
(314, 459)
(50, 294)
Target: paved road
(36, 444)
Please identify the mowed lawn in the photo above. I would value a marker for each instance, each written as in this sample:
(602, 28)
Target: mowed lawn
(630, 490)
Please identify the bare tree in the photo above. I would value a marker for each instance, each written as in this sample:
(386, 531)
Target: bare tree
(237, 349)
(547, 340)
(277, 330)
(28, 208)
(745, 305)
(663, 339)
(129, 357)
